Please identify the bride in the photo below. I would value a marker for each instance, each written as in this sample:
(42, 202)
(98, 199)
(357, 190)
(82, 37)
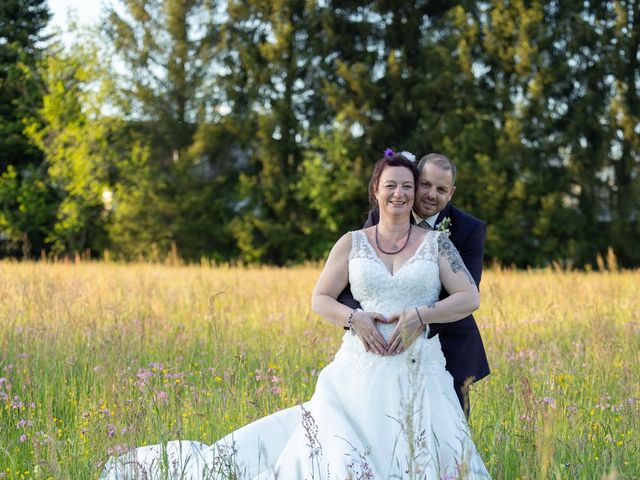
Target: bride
(385, 408)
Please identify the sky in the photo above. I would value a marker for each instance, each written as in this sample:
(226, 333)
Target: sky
(87, 11)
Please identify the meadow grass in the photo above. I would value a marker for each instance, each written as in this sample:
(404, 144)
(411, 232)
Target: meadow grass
(99, 357)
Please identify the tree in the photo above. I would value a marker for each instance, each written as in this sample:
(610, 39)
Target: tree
(332, 186)
(560, 139)
(500, 166)
(182, 192)
(269, 84)
(24, 194)
(21, 25)
(623, 58)
(27, 210)
(79, 143)
(167, 49)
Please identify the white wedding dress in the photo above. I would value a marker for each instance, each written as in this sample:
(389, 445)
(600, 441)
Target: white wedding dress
(370, 417)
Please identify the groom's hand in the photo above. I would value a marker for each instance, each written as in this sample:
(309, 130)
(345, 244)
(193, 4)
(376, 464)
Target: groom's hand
(363, 324)
(409, 328)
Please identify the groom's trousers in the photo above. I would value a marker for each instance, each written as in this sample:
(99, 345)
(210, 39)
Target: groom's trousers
(462, 391)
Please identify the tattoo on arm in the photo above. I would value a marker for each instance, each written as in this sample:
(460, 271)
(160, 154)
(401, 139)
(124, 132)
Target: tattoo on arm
(451, 254)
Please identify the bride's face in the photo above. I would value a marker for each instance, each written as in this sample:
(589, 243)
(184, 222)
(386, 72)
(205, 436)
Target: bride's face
(395, 191)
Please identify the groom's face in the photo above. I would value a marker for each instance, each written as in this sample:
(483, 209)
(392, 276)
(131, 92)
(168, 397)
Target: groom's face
(434, 191)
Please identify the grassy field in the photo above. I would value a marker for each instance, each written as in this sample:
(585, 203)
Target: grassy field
(96, 358)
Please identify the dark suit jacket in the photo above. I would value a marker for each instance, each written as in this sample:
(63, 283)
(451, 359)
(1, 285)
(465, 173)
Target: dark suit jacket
(461, 341)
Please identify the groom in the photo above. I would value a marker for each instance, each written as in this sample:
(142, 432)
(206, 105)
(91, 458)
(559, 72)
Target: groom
(461, 341)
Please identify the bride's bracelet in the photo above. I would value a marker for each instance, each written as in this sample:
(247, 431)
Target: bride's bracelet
(349, 325)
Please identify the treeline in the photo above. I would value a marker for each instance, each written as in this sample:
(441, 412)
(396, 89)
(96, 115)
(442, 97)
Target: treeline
(246, 130)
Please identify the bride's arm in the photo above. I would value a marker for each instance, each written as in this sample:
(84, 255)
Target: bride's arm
(464, 297)
(333, 278)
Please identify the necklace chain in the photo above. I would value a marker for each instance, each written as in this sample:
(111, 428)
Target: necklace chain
(406, 242)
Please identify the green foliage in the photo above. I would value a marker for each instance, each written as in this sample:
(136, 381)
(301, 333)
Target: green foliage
(176, 188)
(27, 207)
(76, 140)
(137, 227)
(248, 133)
(167, 48)
(540, 94)
(25, 192)
(270, 82)
(21, 25)
(332, 185)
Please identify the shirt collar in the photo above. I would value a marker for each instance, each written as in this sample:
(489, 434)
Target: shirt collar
(430, 220)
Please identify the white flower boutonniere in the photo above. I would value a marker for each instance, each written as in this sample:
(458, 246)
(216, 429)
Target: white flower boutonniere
(444, 225)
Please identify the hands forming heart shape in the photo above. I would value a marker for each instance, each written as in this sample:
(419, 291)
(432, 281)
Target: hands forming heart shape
(408, 328)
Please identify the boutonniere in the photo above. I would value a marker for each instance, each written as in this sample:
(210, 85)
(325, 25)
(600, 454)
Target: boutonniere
(444, 225)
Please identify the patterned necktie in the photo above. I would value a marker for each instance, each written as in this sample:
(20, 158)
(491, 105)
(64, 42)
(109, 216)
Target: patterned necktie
(424, 224)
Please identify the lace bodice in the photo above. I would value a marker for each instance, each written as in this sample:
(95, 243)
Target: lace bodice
(415, 283)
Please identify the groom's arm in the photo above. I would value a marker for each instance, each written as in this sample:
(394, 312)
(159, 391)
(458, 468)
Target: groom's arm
(346, 297)
(472, 253)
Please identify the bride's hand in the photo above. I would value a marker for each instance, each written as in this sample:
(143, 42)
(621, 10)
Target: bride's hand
(363, 324)
(409, 328)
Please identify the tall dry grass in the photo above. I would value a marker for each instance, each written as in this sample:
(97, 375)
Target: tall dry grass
(97, 358)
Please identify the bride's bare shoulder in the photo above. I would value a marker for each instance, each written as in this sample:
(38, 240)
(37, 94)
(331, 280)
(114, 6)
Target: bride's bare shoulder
(343, 245)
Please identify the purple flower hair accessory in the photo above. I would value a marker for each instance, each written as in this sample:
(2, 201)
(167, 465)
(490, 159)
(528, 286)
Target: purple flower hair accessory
(388, 152)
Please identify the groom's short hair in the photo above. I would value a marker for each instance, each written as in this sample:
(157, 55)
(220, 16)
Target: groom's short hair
(441, 161)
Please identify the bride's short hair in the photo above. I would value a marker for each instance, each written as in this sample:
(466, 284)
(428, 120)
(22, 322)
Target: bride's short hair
(394, 160)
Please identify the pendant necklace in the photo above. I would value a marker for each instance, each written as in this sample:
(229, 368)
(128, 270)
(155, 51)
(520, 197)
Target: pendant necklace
(397, 251)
